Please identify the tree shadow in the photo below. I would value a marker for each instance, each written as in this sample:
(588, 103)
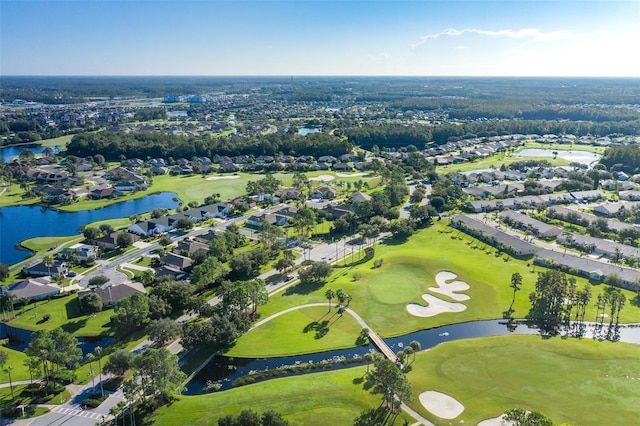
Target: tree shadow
(73, 326)
(73, 308)
(635, 301)
(321, 328)
(304, 288)
(375, 416)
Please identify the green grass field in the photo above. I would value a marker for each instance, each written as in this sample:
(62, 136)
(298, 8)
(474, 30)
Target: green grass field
(580, 382)
(65, 313)
(314, 328)
(381, 295)
(327, 398)
(16, 360)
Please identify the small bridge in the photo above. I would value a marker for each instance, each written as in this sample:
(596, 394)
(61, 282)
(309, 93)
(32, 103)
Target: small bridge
(380, 344)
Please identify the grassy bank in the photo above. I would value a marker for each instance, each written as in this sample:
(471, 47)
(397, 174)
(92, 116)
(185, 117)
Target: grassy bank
(581, 382)
(327, 398)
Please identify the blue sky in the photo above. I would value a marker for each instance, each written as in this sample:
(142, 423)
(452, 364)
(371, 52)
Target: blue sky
(321, 37)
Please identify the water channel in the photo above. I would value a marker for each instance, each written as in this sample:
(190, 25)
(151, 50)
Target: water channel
(18, 223)
(226, 370)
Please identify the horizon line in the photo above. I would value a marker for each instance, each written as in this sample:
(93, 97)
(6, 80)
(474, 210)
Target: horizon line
(312, 76)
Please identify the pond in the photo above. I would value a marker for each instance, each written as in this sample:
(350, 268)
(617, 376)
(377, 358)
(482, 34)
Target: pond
(18, 223)
(9, 152)
(20, 338)
(226, 370)
(582, 157)
(305, 131)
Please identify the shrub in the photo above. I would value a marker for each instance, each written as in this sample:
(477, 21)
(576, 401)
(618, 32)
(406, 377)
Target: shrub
(46, 317)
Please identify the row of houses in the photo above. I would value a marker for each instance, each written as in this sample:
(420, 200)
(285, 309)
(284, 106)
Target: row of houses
(581, 218)
(167, 223)
(569, 262)
(532, 201)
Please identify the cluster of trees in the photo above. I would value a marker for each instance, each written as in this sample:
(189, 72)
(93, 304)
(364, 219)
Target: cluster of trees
(554, 301)
(146, 114)
(142, 145)
(388, 380)
(249, 417)
(56, 350)
(622, 158)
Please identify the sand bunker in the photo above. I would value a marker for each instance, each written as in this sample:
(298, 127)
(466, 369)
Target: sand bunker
(351, 174)
(441, 405)
(436, 306)
(322, 178)
(223, 177)
(495, 421)
(449, 289)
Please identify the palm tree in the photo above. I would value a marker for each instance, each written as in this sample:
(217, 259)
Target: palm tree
(330, 294)
(415, 345)
(8, 370)
(516, 284)
(91, 358)
(98, 352)
(342, 296)
(408, 350)
(48, 262)
(32, 364)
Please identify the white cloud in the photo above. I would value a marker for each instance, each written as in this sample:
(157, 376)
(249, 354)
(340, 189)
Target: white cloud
(525, 33)
(460, 47)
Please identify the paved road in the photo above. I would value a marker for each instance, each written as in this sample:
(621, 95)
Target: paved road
(70, 413)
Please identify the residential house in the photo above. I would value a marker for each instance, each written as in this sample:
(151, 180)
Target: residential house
(343, 167)
(111, 295)
(80, 251)
(177, 261)
(110, 242)
(272, 218)
(190, 246)
(323, 193)
(358, 197)
(39, 269)
(493, 236)
(290, 194)
(527, 223)
(102, 192)
(33, 288)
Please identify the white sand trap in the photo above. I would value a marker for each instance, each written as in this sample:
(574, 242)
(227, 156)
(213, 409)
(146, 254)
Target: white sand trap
(223, 177)
(351, 174)
(322, 178)
(495, 421)
(449, 289)
(436, 306)
(440, 404)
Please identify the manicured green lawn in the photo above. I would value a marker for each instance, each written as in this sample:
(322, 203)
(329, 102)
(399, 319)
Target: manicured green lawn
(314, 328)
(16, 360)
(496, 161)
(61, 141)
(42, 244)
(381, 295)
(327, 398)
(580, 382)
(65, 313)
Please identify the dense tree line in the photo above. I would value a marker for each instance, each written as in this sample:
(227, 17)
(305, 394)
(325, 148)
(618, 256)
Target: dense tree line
(396, 136)
(622, 158)
(143, 145)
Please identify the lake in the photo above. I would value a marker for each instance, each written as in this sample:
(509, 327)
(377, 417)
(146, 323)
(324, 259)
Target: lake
(18, 223)
(9, 152)
(582, 157)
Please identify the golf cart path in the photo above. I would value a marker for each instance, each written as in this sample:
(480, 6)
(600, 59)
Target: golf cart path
(372, 335)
